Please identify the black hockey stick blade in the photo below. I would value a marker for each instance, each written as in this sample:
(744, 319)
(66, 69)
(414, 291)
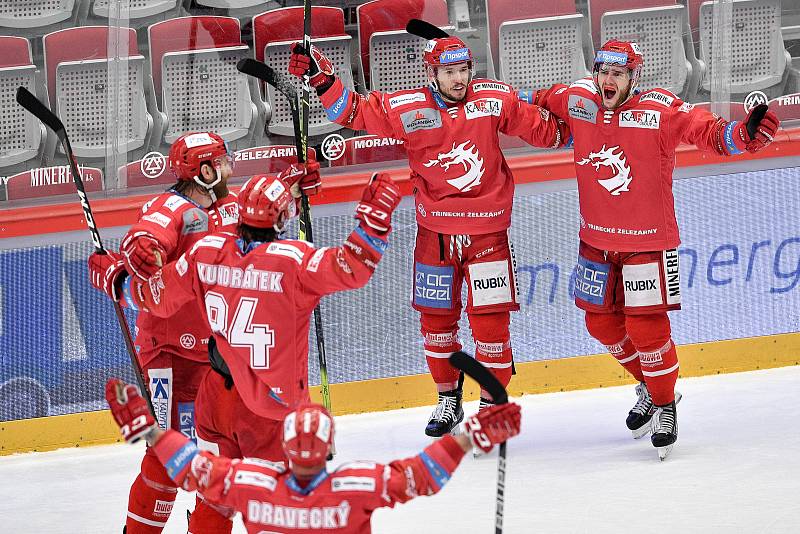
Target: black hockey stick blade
(27, 100)
(475, 370)
(265, 73)
(426, 30)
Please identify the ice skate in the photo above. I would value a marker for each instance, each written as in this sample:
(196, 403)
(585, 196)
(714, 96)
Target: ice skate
(665, 429)
(638, 420)
(447, 414)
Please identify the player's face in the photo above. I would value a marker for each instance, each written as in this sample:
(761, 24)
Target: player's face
(306, 473)
(614, 84)
(453, 80)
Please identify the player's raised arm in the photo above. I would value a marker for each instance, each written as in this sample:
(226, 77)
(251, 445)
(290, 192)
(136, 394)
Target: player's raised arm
(342, 104)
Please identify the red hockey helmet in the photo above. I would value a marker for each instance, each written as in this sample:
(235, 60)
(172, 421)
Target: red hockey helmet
(265, 202)
(444, 51)
(620, 53)
(191, 150)
(307, 435)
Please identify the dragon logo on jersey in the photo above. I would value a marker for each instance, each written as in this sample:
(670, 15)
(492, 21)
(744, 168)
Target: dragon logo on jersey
(469, 159)
(606, 157)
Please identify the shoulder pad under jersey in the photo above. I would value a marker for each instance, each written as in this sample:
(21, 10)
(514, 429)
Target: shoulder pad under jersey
(658, 96)
(485, 84)
(585, 83)
(400, 99)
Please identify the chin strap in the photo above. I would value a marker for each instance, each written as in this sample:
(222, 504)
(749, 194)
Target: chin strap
(210, 187)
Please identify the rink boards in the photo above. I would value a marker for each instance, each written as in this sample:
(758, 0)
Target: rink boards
(740, 267)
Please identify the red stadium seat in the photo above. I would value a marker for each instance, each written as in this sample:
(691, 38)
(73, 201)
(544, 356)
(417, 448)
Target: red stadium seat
(197, 86)
(537, 44)
(368, 149)
(273, 34)
(382, 37)
(76, 69)
(22, 136)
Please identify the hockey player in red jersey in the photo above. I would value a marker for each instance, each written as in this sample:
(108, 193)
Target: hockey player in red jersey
(257, 292)
(627, 277)
(173, 351)
(307, 497)
(463, 196)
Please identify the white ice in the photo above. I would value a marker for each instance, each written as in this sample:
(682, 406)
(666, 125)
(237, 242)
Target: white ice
(574, 469)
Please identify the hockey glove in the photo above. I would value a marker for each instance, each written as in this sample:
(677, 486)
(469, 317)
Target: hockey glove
(493, 425)
(318, 67)
(143, 255)
(129, 409)
(107, 273)
(378, 201)
(303, 177)
(762, 125)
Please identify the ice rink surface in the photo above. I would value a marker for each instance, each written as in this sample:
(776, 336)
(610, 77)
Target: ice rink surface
(574, 469)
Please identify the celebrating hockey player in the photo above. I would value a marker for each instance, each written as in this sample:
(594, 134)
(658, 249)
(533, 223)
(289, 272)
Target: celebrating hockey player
(257, 292)
(173, 351)
(463, 195)
(307, 497)
(627, 276)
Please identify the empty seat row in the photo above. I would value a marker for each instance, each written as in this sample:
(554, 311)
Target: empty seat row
(186, 78)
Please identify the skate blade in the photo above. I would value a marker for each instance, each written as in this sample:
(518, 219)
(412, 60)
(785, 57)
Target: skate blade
(663, 452)
(642, 431)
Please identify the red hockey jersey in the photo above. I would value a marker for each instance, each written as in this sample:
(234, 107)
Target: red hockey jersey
(624, 161)
(272, 501)
(177, 224)
(258, 305)
(462, 182)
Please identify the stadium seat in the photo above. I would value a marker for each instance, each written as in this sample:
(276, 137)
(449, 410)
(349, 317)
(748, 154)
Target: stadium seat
(661, 29)
(391, 59)
(196, 84)
(77, 70)
(537, 44)
(33, 18)
(759, 61)
(139, 13)
(273, 34)
(21, 134)
(369, 149)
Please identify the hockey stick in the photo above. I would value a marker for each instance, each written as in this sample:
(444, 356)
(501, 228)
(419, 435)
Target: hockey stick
(426, 30)
(265, 73)
(28, 101)
(487, 381)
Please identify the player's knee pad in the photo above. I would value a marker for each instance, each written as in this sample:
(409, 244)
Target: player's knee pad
(609, 329)
(210, 518)
(151, 498)
(493, 343)
(648, 332)
(440, 333)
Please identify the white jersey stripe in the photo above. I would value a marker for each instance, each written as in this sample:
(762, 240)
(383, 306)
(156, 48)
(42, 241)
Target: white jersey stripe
(662, 372)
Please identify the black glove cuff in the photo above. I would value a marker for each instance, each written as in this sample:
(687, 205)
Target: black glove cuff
(324, 86)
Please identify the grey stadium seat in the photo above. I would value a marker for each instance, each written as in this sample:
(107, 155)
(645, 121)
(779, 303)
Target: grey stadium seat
(386, 50)
(276, 54)
(663, 34)
(77, 77)
(759, 61)
(202, 90)
(21, 134)
(543, 51)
